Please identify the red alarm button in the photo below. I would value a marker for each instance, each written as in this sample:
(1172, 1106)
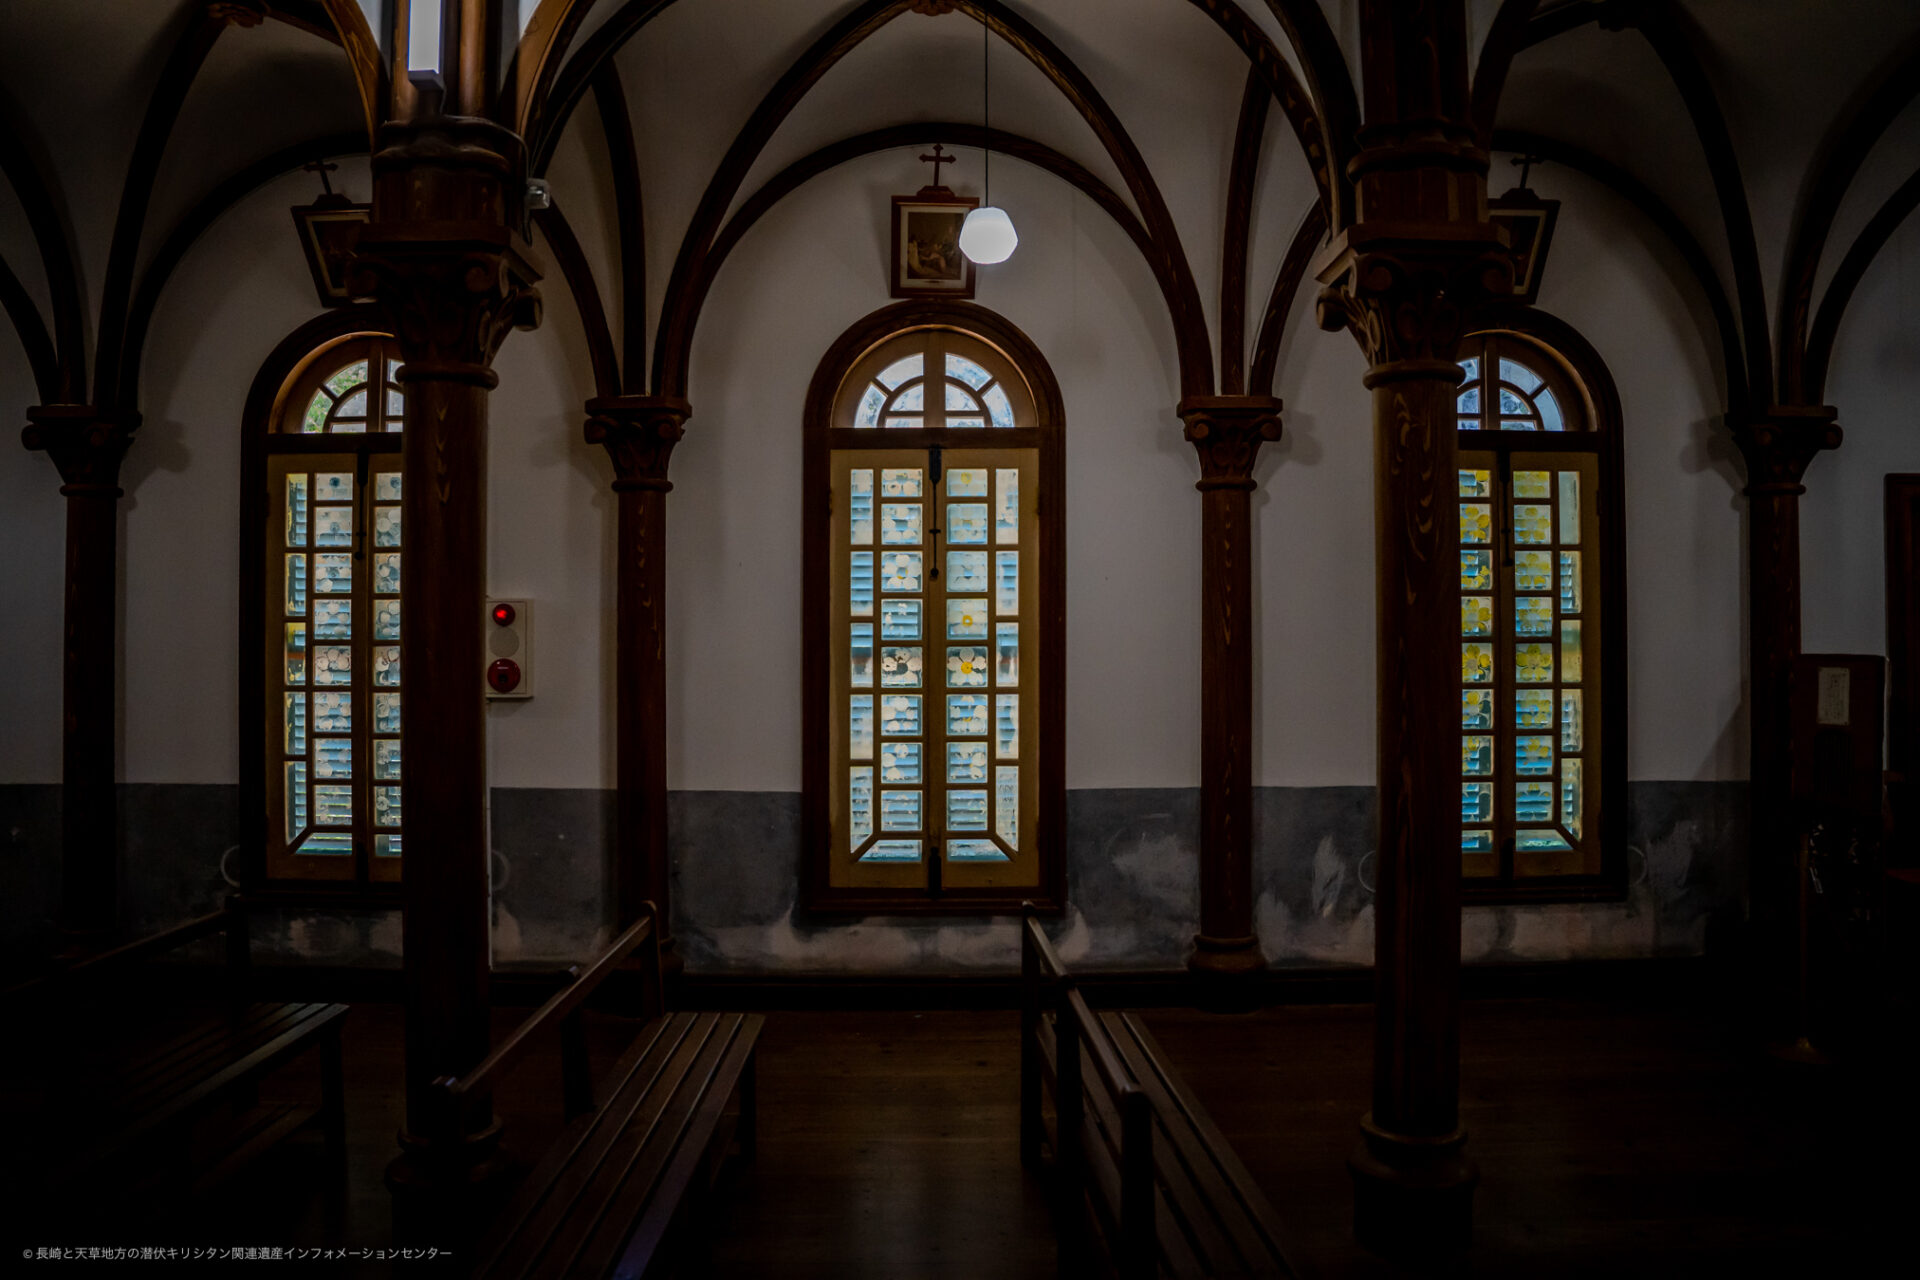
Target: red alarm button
(504, 673)
(503, 614)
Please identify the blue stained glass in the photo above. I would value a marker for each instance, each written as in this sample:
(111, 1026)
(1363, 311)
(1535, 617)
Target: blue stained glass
(1006, 804)
(1533, 801)
(900, 667)
(899, 810)
(966, 523)
(862, 654)
(999, 407)
(1533, 755)
(1541, 842)
(296, 799)
(860, 727)
(860, 806)
(900, 370)
(966, 762)
(386, 713)
(1006, 590)
(900, 620)
(900, 715)
(1519, 375)
(959, 398)
(966, 572)
(386, 572)
(327, 844)
(967, 714)
(966, 810)
(333, 757)
(333, 620)
(967, 371)
(386, 806)
(1476, 802)
(1476, 842)
(900, 762)
(974, 851)
(868, 414)
(1550, 412)
(893, 851)
(860, 585)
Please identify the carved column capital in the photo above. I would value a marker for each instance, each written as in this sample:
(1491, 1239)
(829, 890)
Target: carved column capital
(638, 433)
(444, 252)
(1780, 442)
(86, 444)
(1227, 432)
(1408, 292)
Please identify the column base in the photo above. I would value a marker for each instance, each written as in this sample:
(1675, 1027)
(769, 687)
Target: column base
(1412, 1197)
(429, 1166)
(1225, 957)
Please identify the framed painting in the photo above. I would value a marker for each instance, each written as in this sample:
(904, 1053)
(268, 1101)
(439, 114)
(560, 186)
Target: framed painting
(927, 262)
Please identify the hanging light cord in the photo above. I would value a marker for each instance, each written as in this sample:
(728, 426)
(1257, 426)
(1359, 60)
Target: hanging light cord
(986, 109)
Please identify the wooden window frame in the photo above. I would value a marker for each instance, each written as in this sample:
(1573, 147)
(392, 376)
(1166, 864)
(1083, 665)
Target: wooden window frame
(1580, 381)
(819, 649)
(279, 395)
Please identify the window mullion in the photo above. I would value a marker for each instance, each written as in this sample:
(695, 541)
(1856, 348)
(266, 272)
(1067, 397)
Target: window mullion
(1506, 707)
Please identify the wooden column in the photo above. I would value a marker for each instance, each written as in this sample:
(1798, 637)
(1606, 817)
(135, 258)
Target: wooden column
(638, 433)
(87, 446)
(1227, 432)
(1778, 445)
(1404, 278)
(440, 255)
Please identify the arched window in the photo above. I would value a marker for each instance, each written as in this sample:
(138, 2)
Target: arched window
(1542, 656)
(935, 619)
(329, 599)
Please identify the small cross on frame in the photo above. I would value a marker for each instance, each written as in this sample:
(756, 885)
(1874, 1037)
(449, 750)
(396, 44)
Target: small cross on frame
(323, 168)
(937, 159)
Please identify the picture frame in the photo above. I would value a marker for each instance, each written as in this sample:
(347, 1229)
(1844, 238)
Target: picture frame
(927, 262)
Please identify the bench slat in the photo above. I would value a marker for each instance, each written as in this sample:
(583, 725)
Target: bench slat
(608, 1193)
(1256, 1225)
(574, 1159)
(637, 1159)
(1100, 1147)
(148, 1083)
(660, 1206)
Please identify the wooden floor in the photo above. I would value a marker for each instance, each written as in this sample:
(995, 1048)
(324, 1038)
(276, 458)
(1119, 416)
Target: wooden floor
(1613, 1139)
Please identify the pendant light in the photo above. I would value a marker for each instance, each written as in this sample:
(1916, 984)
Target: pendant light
(987, 236)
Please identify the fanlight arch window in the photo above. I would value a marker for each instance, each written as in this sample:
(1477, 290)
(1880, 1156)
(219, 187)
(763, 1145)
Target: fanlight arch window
(1541, 633)
(935, 621)
(330, 575)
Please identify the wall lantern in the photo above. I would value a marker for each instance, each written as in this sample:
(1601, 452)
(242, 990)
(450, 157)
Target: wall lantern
(329, 229)
(1528, 221)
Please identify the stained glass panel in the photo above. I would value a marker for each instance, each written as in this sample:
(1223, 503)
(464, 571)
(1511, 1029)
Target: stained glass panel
(999, 407)
(1533, 755)
(900, 370)
(296, 511)
(860, 728)
(386, 526)
(966, 762)
(1476, 663)
(967, 714)
(296, 651)
(1476, 709)
(333, 574)
(1569, 582)
(1531, 484)
(333, 805)
(860, 506)
(1570, 508)
(901, 482)
(1570, 720)
(1476, 570)
(333, 757)
(1007, 726)
(386, 713)
(333, 712)
(893, 851)
(1476, 802)
(902, 570)
(900, 762)
(967, 618)
(967, 523)
(868, 414)
(1533, 663)
(386, 806)
(966, 810)
(860, 806)
(900, 620)
(1533, 802)
(386, 664)
(967, 371)
(1532, 523)
(1476, 615)
(1476, 522)
(966, 572)
(967, 482)
(386, 620)
(899, 810)
(1533, 709)
(1570, 797)
(862, 654)
(974, 851)
(1476, 484)
(899, 523)
(900, 715)
(333, 620)
(386, 572)
(332, 664)
(1006, 650)
(900, 667)
(1476, 756)
(296, 724)
(1533, 615)
(296, 773)
(1006, 508)
(1006, 590)
(1541, 842)
(1006, 804)
(1570, 651)
(386, 760)
(350, 376)
(966, 666)
(1532, 571)
(296, 574)
(860, 585)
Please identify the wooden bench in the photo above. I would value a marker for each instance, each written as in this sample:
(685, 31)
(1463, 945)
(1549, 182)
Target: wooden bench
(616, 1193)
(103, 1101)
(1147, 1186)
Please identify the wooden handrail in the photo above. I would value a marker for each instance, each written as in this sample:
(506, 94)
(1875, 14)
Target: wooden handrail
(581, 984)
(1051, 965)
(1106, 1059)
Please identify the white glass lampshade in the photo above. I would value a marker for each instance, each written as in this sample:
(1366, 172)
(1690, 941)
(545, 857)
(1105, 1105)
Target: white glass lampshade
(987, 236)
